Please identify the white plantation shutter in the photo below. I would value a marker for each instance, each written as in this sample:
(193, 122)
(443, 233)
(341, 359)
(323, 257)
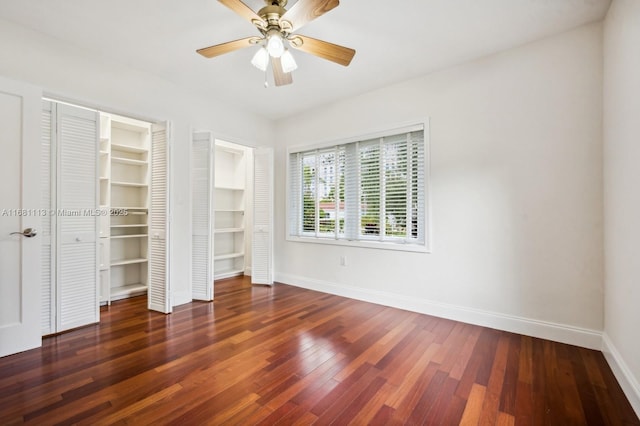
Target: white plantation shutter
(370, 195)
(383, 184)
(262, 243)
(397, 194)
(351, 191)
(202, 162)
(403, 187)
(48, 266)
(295, 191)
(77, 230)
(310, 193)
(158, 292)
(418, 189)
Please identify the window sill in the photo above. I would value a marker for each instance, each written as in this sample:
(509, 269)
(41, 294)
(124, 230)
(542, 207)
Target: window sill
(415, 248)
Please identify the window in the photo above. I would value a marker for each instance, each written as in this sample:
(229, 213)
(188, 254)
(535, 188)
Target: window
(370, 192)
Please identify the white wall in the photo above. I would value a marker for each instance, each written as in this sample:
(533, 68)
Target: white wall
(516, 185)
(622, 194)
(65, 71)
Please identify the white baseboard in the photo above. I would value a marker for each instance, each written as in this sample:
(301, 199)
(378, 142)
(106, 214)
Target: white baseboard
(577, 336)
(625, 377)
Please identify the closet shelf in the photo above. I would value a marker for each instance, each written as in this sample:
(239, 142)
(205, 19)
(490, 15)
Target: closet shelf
(129, 236)
(128, 148)
(228, 256)
(130, 184)
(130, 210)
(127, 290)
(229, 188)
(130, 225)
(129, 161)
(131, 124)
(228, 230)
(227, 273)
(229, 210)
(133, 261)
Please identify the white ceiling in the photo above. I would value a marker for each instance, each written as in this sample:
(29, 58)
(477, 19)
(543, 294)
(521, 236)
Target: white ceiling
(394, 40)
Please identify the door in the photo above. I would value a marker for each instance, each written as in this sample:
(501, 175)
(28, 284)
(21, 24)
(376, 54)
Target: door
(68, 238)
(76, 205)
(202, 216)
(159, 288)
(20, 263)
(262, 242)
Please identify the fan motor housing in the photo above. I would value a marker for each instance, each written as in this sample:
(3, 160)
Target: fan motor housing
(271, 15)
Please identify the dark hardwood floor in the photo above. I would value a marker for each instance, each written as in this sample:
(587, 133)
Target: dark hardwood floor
(284, 355)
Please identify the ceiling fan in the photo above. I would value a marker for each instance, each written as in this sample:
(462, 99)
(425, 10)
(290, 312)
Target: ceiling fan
(277, 25)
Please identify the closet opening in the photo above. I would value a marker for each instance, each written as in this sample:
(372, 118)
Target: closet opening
(233, 207)
(124, 170)
(232, 213)
(105, 228)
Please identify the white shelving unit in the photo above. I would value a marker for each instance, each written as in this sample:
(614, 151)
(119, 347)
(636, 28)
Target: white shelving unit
(124, 187)
(230, 196)
(104, 164)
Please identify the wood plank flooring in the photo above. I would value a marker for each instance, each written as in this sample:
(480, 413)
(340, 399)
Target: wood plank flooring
(284, 355)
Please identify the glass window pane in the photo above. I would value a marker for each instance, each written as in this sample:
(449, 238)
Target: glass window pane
(327, 180)
(395, 188)
(309, 193)
(370, 188)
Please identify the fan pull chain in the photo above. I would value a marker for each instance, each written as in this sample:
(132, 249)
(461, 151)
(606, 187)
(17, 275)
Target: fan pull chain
(266, 83)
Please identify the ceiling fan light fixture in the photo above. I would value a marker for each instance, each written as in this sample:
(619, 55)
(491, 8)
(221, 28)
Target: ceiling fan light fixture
(275, 44)
(288, 62)
(261, 59)
(278, 29)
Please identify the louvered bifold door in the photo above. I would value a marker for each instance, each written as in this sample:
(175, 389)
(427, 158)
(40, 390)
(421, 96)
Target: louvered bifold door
(47, 316)
(202, 216)
(76, 217)
(262, 242)
(159, 292)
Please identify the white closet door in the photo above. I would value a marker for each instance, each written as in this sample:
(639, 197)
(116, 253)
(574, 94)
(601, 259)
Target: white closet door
(20, 116)
(77, 226)
(202, 216)
(159, 290)
(47, 241)
(262, 243)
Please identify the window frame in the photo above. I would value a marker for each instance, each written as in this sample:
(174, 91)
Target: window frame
(401, 244)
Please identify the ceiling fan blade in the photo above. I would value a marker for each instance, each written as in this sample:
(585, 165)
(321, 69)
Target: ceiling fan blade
(242, 9)
(323, 49)
(305, 11)
(230, 46)
(280, 77)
